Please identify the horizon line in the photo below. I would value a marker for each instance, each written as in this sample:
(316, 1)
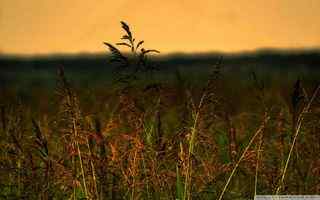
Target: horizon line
(162, 54)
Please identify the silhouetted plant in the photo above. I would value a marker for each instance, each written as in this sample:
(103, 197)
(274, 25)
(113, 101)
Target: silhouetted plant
(128, 66)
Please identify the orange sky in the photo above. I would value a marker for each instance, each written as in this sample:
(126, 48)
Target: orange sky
(73, 26)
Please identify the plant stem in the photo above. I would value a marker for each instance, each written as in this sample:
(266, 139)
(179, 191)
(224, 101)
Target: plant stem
(261, 128)
(93, 170)
(80, 159)
(257, 165)
(297, 130)
(191, 147)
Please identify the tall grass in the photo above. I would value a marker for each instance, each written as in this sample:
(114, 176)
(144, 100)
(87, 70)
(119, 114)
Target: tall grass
(145, 139)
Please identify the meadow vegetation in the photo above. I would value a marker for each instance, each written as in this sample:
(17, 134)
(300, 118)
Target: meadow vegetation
(141, 137)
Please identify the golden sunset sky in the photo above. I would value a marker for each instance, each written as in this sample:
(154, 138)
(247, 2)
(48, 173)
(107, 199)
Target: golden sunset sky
(78, 26)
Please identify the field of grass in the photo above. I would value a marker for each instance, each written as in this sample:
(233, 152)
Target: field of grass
(179, 127)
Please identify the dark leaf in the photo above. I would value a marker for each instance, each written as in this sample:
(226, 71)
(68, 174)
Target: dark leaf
(139, 44)
(125, 37)
(149, 51)
(123, 44)
(117, 55)
(126, 28)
